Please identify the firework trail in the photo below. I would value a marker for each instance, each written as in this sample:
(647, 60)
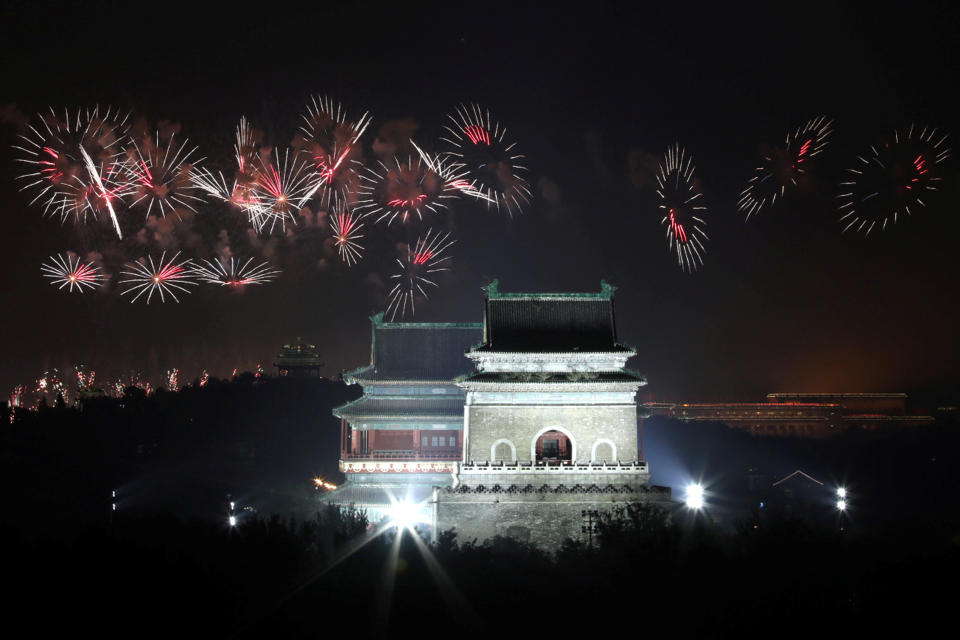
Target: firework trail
(161, 277)
(331, 141)
(480, 144)
(780, 169)
(454, 175)
(67, 271)
(240, 191)
(277, 189)
(404, 189)
(235, 273)
(893, 177)
(162, 177)
(68, 156)
(346, 227)
(416, 265)
(683, 209)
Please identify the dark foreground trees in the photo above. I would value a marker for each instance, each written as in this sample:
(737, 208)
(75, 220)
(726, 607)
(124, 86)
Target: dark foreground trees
(644, 574)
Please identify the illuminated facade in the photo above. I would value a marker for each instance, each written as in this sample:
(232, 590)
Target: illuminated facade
(550, 421)
(405, 434)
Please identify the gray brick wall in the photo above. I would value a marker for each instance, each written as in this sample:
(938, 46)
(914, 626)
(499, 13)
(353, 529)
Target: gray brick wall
(587, 424)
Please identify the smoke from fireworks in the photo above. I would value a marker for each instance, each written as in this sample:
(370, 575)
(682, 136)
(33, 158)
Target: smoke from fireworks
(331, 142)
(67, 271)
(885, 183)
(480, 144)
(235, 273)
(780, 169)
(683, 208)
(416, 266)
(162, 277)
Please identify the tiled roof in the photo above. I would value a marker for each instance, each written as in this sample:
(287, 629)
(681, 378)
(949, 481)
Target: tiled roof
(418, 351)
(402, 407)
(544, 322)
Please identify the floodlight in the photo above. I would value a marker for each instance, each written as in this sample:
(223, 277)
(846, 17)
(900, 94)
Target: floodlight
(694, 496)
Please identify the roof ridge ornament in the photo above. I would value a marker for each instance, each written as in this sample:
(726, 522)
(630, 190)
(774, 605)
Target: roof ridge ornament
(493, 289)
(607, 288)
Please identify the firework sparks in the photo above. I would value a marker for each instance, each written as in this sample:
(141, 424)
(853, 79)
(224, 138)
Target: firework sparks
(683, 208)
(235, 273)
(161, 176)
(68, 158)
(50, 386)
(480, 144)
(85, 380)
(346, 227)
(173, 379)
(204, 379)
(162, 277)
(404, 189)
(781, 169)
(66, 271)
(277, 189)
(416, 267)
(893, 177)
(331, 140)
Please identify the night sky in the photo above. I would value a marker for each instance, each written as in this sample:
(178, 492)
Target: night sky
(784, 302)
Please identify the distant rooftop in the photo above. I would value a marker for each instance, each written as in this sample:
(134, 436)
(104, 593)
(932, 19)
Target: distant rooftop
(549, 322)
(299, 353)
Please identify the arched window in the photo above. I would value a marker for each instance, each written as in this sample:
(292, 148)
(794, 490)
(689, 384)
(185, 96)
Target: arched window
(503, 451)
(553, 446)
(603, 451)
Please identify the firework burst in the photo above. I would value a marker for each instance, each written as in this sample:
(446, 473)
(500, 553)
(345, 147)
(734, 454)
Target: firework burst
(893, 177)
(85, 379)
(235, 273)
(331, 139)
(416, 266)
(277, 189)
(162, 277)
(402, 190)
(71, 158)
(781, 169)
(160, 177)
(683, 208)
(480, 144)
(345, 227)
(50, 385)
(66, 271)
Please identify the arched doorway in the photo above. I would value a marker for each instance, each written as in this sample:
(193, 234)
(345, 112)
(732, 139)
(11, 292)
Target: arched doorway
(553, 446)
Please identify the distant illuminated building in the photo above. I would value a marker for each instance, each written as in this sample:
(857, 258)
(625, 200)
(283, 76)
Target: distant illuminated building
(811, 415)
(405, 434)
(299, 360)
